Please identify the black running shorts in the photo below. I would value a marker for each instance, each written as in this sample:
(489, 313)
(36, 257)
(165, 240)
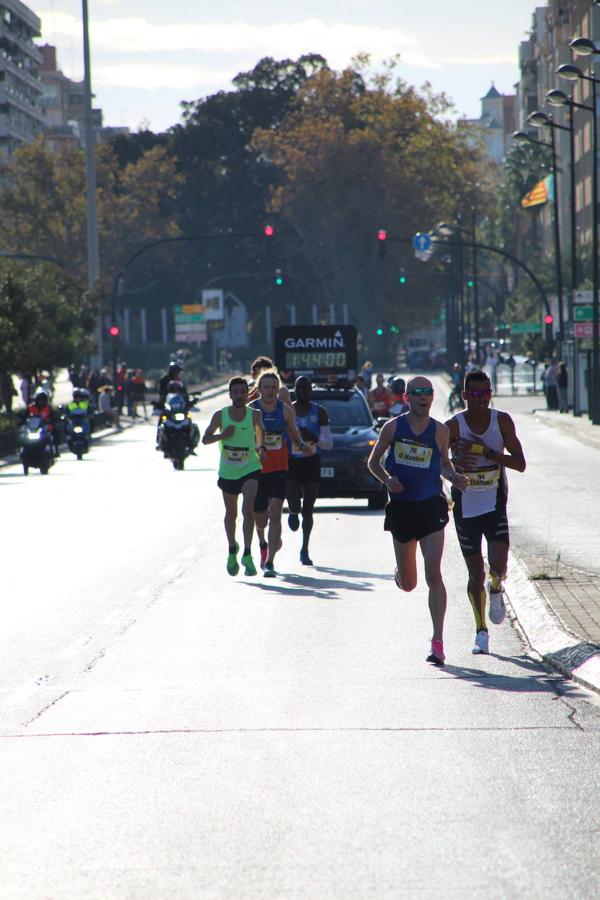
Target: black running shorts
(415, 519)
(492, 526)
(235, 485)
(270, 484)
(305, 469)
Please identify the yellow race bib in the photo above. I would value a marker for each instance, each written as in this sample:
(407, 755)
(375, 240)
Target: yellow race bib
(235, 456)
(273, 440)
(484, 479)
(407, 453)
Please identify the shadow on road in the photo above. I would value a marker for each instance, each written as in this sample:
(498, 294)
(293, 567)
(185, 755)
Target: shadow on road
(306, 586)
(354, 574)
(537, 682)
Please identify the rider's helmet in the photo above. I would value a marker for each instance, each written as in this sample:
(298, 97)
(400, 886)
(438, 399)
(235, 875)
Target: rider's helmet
(79, 394)
(84, 394)
(40, 397)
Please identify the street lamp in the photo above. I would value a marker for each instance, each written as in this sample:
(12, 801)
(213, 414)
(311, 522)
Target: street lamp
(521, 137)
(539, 119)
(559, 100)
(585, 47)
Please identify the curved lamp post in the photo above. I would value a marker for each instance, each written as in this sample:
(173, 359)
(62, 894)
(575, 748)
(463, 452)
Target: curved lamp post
(585, 47)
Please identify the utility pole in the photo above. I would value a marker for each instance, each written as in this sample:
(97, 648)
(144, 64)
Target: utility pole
(93, 249)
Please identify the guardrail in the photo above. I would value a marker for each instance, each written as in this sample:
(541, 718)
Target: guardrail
(520, 379)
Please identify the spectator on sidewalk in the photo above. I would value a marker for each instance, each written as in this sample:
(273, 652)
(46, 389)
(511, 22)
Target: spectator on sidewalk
(562, 384)
(550, 377)
(7, 391)
(105, 405)
(138, 389)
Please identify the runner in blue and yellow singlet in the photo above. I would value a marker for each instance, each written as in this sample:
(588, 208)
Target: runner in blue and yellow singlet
(417, 512)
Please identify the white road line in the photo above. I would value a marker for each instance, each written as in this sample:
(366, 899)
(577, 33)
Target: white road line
(26, 690)
(75, 648)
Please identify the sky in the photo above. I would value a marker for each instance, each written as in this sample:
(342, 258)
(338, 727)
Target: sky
(149, 55)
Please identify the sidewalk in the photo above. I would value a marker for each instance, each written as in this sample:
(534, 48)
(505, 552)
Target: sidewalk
(557, 607)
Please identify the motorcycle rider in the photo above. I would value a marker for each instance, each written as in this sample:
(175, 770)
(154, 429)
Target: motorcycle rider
(41, 407)
(171, 375)
(177, 388)
(81, 404)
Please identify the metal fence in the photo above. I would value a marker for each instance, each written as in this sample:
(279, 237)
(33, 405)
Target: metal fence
(520, 379)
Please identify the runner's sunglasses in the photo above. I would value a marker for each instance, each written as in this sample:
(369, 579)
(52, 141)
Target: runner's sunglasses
(421, 392)
(482, 392)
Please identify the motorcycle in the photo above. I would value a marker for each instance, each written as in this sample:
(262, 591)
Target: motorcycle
(37, 446)
(78, 430)
(178, 435)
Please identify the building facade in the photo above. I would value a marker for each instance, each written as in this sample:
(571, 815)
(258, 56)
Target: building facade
(21, 118)
(495, 125)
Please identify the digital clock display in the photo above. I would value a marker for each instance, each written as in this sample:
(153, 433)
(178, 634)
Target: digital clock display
(316, 359)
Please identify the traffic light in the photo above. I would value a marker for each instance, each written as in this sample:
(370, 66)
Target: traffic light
(502, 329)
(470, 282)
(269, 231)
(114, 331)
(549, 319)
(548, 326)
(394, 329)
(402, 277)
(278, 277)
(379, 331)
(381, 241)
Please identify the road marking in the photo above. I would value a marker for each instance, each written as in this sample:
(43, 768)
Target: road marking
(75, 648)
(116, 615)
(27, 689)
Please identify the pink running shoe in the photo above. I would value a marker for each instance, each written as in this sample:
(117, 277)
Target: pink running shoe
(437, 655)
(264, 555)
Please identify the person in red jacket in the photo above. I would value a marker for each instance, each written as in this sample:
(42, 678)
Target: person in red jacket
(41, 407)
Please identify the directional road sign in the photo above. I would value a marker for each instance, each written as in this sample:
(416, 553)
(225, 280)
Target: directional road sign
(421, 241)
(583, 313)
(584, 329)
(526, 327)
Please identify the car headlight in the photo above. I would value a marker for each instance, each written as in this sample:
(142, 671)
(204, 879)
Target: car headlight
(363, 445)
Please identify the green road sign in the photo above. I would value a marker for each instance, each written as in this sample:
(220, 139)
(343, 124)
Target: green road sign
(526, 328)
(583, 313)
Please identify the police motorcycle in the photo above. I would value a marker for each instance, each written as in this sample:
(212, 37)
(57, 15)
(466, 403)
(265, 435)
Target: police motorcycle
(178, 435)
(37, 445)
(77, 423)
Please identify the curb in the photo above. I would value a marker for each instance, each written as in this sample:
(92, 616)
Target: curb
(542, 630)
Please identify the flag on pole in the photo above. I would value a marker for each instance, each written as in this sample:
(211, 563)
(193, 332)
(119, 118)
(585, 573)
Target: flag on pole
(540, 193)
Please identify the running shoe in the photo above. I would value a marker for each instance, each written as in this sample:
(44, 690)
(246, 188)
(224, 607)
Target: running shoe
(250, 568)
(264, 555)
(294, 521)
(482, 642)
(232, 563)
(305, 558)
(437, 655)
(270, 570)
(497, 607)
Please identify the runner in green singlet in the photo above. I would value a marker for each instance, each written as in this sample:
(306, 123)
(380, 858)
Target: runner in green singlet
(241, 433)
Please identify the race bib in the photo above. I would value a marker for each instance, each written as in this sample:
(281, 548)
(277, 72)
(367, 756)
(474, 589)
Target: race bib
(409, 454)
(235, 456)
(484, 479)
(273, 440)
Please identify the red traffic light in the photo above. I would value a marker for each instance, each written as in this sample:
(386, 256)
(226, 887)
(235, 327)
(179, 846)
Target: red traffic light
(549, 319)
(382, 235)
(269, 231)
(114, 331)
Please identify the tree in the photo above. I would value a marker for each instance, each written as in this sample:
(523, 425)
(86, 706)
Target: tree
(352, 156)
(42, 196)
(45, 319)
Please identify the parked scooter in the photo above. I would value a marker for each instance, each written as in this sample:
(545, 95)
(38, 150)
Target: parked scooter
(177, 434)
(37, 445)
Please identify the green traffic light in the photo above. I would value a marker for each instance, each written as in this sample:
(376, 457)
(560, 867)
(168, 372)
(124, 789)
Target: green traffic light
(279, 280)
(379, 331)
(403, 279)
(470, 283)
(394, 329)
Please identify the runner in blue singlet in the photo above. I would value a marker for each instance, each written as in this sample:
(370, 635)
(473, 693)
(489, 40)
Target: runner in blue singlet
(417, 512)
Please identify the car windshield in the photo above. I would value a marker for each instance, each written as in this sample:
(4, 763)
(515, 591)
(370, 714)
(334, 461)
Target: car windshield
(345, 409)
